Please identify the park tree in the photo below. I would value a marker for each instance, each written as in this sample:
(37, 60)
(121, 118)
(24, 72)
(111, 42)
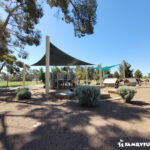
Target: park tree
(107, 73)
(81, 13)
(11, 63)
(56, 70)
(4, 41)
(81, 72)
(18, 28)
(80, 75)
(16, 77)
(31, 74)
(17, 31)
(128, 70)
(90, 73)
(96, 75)
(3, 76)
(7, 59)
(42, 75)
(148, 75)
(22, 16)
(138, 74)
(116, 74)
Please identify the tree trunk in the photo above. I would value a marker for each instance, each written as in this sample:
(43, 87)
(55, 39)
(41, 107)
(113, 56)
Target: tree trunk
(3, 65)
(7, 79)
(3, 29)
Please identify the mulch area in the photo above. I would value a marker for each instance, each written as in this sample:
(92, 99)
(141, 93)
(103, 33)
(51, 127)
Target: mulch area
(43, 123)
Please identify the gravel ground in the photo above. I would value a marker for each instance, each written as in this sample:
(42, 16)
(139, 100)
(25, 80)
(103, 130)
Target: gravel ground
(48, 124)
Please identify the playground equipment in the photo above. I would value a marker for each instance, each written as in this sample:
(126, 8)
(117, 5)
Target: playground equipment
(55, 57)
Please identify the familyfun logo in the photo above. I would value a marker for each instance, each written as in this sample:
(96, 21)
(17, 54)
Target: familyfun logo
(122, 144)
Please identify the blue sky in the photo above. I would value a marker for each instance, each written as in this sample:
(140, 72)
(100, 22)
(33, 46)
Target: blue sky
(122, 32)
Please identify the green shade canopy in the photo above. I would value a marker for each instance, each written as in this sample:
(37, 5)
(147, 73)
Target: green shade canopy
(106, 68)
(105, 75)
(59, 58)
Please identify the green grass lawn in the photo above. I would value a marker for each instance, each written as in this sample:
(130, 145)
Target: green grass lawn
(4, 90)
(19, 83)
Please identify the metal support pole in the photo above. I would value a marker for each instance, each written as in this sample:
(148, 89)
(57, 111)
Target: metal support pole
(100, 72)
(47, 85)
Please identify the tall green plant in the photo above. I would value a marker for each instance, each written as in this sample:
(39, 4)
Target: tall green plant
(116, 74)
(138, 74)
(128, 70)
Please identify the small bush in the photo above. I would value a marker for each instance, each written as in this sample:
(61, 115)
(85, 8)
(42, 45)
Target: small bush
(20, 89)
(126, 93)
(87, 96)
(23, 93)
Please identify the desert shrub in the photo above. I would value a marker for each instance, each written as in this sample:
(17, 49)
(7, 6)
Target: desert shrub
(87, 95)
(22, 88)
(126, 93)
(23, 93)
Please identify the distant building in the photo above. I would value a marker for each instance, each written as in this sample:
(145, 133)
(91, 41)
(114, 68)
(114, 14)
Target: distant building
(35, 79)
(110, 82)
(130, 82)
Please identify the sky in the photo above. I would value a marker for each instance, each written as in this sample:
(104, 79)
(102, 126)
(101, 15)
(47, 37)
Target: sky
(122, 33)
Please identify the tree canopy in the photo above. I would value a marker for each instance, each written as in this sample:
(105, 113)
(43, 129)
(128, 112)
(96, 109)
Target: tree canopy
(81, 13)
(128, 70)
(22, 16)
(7, 59)
(116, 74)
(11, 63)
(56, 70)
(138, 74)
(18, 28)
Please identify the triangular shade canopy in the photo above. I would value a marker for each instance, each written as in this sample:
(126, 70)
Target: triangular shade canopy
(59, 58)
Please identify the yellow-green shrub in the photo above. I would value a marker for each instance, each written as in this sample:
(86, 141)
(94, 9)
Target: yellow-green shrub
(23, 93)
(87, 95)
(126, 93)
